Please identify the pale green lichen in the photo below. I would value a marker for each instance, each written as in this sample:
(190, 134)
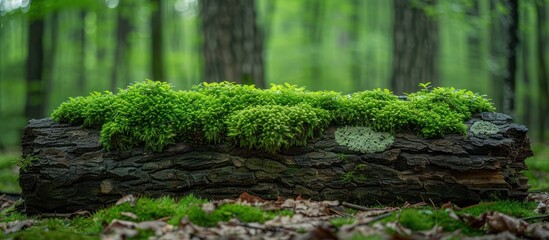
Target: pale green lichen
(484, 128)
(363, 139)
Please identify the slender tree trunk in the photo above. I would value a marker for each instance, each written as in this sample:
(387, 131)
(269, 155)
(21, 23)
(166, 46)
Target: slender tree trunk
(509, 82)
(498, 38)
(81, 80)
(543, 80)
(474, 40)
(35, 102)
(157, 39)
(525, 50)
(354, 35)
(122, 33)
(316, 26)
(52, 55)
(415, 47)
(233, 43)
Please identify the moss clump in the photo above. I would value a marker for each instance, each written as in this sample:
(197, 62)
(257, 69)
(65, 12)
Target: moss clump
(363, 139)
(483, 128)
(154, 115)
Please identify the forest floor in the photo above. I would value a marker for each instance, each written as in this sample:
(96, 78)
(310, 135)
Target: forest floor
(250, 217)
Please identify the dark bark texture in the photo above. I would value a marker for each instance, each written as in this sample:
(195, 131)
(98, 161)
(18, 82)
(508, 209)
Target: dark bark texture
(69, 170)
(233, 43)
(35, 95)
(415, 46)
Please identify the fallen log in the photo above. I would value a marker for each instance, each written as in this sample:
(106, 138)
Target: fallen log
(65, 168)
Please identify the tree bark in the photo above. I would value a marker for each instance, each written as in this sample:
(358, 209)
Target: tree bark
(509, 82)
(233, 43)
(316, 29)
(498, 52)
(543, 78)
(123, 28)
(415, 47)
(157, 41)
(354, 37)
(52, 55)
(69, 171)
(81, 81)
(35, 95)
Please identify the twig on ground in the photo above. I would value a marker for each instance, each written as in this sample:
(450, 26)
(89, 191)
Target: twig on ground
(545, 216)
(358, 207)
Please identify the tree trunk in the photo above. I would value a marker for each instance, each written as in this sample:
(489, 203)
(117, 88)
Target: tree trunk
(498, 52)
(157, 41)
(526, 66)
(316, 26)
(233, 43)
(81, 80)
(354, 37)
(415, 47)
(123, 28)
(69, 171)
(509, 82)
(35, 94)
(52, 55)
(543, 80)
(474, 40)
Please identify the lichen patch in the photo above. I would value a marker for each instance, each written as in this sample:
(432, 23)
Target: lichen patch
(363, 139)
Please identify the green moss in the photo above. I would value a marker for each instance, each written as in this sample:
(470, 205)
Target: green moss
(339, 222)
(483, 128)
(149, 209)
(227, 211)
(154, 115)
(363, 139)
(511, 208)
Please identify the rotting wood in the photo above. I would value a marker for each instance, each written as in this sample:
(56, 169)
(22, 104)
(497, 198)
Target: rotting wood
(72, 172)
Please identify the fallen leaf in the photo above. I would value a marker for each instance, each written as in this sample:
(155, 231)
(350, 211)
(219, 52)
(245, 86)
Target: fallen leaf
(321, 233)
(158, 227)
(15, 226)
(538, 230)
(208, 207)
(499, 236)
(127, 199)
(129, 214)
(246, 197)
(474, 222)
(499, 222)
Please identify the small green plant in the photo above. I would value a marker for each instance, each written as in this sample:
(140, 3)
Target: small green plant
(25, 161)
(153, 115)
(353, 176)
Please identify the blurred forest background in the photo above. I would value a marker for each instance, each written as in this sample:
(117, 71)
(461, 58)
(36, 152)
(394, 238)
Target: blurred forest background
(51, 50)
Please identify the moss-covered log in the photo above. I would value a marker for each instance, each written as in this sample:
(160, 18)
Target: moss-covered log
(68, 170)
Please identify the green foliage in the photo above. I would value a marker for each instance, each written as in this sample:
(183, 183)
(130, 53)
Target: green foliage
(511, 208)
(148, 209)
(25, 161)
(339, 222)
(227, 211)
(274, 127)
(90, 111)
(152, 114)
